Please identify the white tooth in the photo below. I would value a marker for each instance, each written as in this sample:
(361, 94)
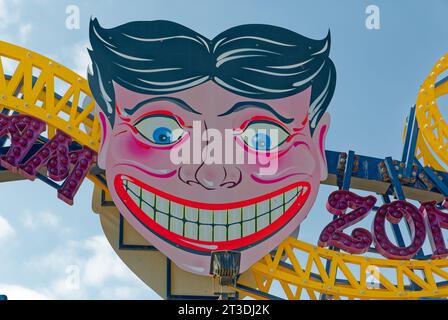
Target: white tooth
(177, 210)
(205, 233)
(205, 216)
(191, 230)
(304, 190)
(162, 219)
(290, 203)
(148, 197)
(148, 210)
(235, 231)
(290, 194)
(191, 214)
(275, 214)
(134, 198)
(248, 228)
(220, 217)
(234, 216)
(263, 207)
(277, 207)
(262, 222)
(135, 189)
(277, 202)
(162, 204)
(220, 233)
(177, 226)
(248, 212)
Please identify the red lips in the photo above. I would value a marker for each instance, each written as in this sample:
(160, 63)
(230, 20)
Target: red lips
(204, 246)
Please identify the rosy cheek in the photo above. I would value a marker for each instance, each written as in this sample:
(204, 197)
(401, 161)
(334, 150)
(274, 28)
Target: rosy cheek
(252, 157)
(300, 158)
(127, 148)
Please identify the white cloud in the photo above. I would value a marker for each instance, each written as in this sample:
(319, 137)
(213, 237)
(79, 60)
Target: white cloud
(25, 31)
(101, 272)
(94, 256)
(119, 293)
(35, 220)
(80, 58)
(103, 264)
(13, 28)
(16, 292)
(6, 230)
(61, 289)
(9, 12)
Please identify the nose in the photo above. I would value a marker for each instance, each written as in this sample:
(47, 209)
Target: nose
(211, 177)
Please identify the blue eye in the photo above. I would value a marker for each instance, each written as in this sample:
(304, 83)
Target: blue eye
(261, 141)
(160, 129)
(264, 135)
(162, 135)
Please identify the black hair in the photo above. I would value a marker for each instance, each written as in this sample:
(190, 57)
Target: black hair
(254, 60)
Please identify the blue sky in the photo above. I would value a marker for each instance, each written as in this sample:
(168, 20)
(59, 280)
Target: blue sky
(379, 73)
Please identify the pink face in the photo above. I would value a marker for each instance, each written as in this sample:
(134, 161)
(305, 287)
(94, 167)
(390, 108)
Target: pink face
(189, 210)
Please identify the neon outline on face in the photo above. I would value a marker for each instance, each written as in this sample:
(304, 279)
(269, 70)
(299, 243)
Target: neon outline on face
(238, 213)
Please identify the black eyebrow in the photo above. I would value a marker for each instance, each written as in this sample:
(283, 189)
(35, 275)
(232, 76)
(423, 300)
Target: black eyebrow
(176, 101)
(254, 104)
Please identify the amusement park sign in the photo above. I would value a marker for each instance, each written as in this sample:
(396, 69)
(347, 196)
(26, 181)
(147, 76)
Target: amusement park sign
(270, 86)
(428, 219)
(63, 162)
(213, 150)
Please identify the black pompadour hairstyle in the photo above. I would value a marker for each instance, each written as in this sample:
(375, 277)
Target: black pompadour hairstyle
(254, 60)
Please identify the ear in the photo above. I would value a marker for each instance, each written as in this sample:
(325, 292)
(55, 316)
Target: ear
(106, 131)
(319, 135)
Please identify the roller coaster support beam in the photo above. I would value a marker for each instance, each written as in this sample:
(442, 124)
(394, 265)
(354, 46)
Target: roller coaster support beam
(400, 195)
(443, 188)
(410, 143)
(371, 174)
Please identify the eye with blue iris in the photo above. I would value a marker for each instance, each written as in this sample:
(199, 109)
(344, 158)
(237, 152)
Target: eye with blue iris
(261, 141)
(264, 135)
(162, 135)
(160, 129)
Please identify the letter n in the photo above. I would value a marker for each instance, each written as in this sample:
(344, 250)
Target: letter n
(24, 131)
(82, 161)
(54, 154)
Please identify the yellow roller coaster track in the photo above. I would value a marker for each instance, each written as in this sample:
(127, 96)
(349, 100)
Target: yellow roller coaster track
(46, 90)
(31, 90)
(304, 276)
(432, 141)
(423, 152)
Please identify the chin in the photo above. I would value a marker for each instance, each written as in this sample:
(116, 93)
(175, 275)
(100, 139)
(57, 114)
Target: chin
(187, 231)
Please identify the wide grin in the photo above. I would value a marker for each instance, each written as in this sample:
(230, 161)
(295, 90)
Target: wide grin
(207, 227)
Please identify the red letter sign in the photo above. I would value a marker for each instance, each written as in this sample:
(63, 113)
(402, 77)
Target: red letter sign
(360, 239)
(394, 212)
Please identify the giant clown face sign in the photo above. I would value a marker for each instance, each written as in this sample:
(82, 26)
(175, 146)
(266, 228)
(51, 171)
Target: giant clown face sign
(211, 145)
